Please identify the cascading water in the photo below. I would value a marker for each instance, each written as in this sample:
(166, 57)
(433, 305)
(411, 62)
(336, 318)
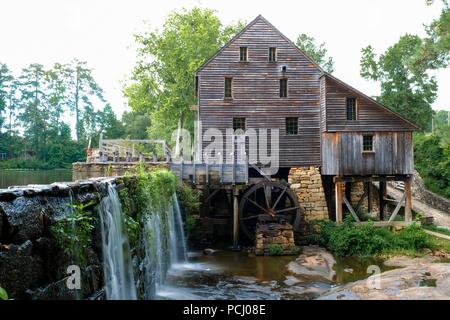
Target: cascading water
(165, 244)
(117, 264)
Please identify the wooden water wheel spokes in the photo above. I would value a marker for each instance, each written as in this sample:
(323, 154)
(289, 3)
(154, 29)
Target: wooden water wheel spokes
(267, 200)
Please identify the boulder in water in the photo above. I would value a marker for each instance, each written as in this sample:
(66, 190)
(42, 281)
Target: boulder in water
(209, 251)
(314, 262)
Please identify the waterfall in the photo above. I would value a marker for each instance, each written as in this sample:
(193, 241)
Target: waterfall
(179, 239)
(165, 244)
(117, 264)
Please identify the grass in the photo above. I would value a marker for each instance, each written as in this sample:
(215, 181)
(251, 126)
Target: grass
(437, 229)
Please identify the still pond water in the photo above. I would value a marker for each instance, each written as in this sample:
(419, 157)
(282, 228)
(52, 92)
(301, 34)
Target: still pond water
(24, 177)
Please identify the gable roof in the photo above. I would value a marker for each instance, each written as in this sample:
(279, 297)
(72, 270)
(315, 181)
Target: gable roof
(409, 123)
(248, 26)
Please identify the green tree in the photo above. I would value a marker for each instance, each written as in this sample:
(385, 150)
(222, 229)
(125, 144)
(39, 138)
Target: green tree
(409, 91)
(57, 86)
(318, 53)
(162, 83)
(435, 50)
(136, 124)
(33, 104)
(6, 80)
(109, 125)
(82, 90)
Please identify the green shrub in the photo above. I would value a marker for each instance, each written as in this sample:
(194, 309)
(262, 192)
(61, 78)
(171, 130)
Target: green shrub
(275, 249)
(350, 239)
(73, 234)
(3, 294)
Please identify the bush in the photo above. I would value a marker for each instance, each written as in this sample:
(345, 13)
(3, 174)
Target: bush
(351, 239)
(275, 249)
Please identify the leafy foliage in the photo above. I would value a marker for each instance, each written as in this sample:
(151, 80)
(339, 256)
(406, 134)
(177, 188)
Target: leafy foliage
(350, 239)
(38, 101)
(407, 90)
(190, 200)
(73, 234)
(275, 249)
(318, 53)
(432, 161)
(435, 50)
(162, 82)
(3, 294)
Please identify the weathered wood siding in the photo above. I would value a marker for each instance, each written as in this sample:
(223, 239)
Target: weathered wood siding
(256, 92)
(342, 153)
(323, 104)
(370, 116)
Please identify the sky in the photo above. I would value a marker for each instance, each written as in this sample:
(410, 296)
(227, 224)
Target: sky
(101, 32)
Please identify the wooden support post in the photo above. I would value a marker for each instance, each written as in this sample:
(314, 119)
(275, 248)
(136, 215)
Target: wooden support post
(369, 196)
(408, 200)
(338, 198)
(382, 204)
(235, 219)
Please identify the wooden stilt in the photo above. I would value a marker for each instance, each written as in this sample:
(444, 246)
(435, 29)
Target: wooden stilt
(408, 200)
(369, 196)
(382, 197)
(338, 198)
(235, 219)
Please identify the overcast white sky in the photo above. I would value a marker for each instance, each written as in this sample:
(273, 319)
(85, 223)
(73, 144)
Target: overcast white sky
(101, 32)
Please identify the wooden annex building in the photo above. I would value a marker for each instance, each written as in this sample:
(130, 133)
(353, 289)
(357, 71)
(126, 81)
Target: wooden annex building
(336, 144)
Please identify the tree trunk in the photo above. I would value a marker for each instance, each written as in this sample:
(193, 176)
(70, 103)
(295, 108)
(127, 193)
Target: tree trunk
(178, 139)
(77, 116)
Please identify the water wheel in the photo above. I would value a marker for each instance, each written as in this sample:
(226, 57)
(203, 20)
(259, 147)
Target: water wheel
(268, 200)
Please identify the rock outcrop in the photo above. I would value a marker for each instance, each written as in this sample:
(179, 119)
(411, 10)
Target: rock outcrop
(416, 279)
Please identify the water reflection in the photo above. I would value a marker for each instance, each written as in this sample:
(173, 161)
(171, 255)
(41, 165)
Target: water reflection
(25, 177)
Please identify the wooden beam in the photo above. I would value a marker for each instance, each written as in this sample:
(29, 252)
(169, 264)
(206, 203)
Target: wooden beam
(349, 206)
(371, 178)
(235, 219)
(369, 196)
(382, 197)
(387, 223)
(408, 200)
(397, 208)
(338, 199)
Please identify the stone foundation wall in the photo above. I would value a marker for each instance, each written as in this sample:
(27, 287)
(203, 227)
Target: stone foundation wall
(84, 170)
(274, 239)
(421, 193)
(32, 263)
(306, 182)
(357, 190)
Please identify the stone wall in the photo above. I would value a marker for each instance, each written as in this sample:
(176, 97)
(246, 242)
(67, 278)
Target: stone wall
(306, 182)
(421, 193)
(275, 239)
(357, 190)
(84, 170)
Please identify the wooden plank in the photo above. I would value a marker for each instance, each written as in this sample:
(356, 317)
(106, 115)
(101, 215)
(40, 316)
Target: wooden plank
(235, 219)
(382, 196)
(381, 224)
(349, 207)
(397, 208)
(338, 199)
(408, 200)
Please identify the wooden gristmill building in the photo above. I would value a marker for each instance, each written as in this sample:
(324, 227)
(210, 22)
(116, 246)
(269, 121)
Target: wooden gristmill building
(331, 136)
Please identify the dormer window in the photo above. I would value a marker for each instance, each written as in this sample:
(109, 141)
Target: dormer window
(351, 108)
(243, 53)
(272, 54)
